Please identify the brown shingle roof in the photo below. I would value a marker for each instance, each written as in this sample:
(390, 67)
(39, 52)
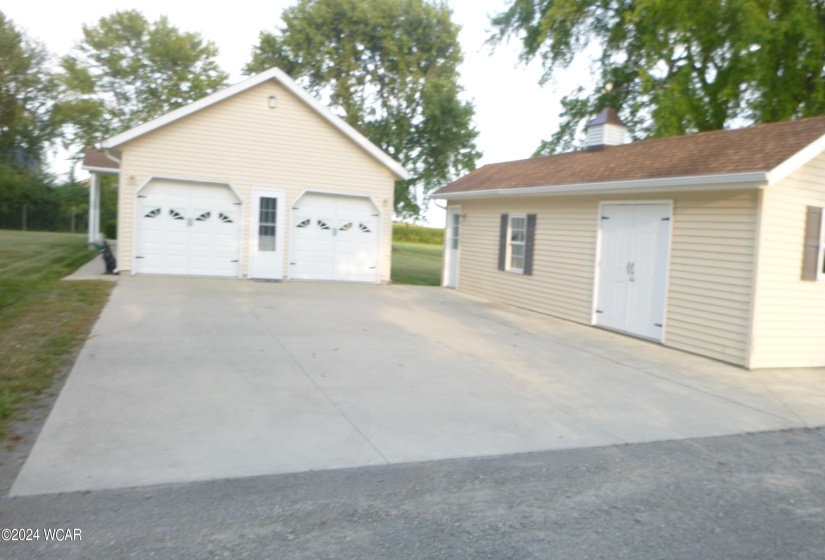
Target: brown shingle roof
(757, 148)
(99, 159)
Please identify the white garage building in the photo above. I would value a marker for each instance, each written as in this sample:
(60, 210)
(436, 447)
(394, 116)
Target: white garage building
(258, 181)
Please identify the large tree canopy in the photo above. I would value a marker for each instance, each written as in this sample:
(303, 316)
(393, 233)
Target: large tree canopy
(673, 67)
(27, 95)
(389, 69)
(127, 70)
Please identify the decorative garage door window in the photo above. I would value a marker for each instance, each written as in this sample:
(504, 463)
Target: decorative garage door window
(267, 224)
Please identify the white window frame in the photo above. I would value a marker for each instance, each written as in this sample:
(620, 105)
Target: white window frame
(273, 224)
(511, 243)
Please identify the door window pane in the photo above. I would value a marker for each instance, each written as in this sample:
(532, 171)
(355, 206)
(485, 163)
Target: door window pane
(267, 223)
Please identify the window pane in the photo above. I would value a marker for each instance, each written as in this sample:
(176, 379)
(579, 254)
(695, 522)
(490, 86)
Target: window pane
(266, 238)
(269, 203)
(517, 229)
(269, 207)
(455, 229)
(267, 219)
(517, 256)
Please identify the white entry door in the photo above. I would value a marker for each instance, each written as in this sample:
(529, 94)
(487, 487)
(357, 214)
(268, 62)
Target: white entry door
(451, 243)
(187, 228)
(267, 246)
(334, 237)
(634, 254)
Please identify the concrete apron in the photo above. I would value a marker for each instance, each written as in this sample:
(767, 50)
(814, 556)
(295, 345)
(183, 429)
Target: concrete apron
(196, 379)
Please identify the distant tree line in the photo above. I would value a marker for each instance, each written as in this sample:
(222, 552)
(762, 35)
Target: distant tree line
(397, 83)
(389, 68)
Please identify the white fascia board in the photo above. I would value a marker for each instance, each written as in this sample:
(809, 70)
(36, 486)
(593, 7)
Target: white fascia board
(101, 170)
(271, 74)
(796, 161)
(702, 182)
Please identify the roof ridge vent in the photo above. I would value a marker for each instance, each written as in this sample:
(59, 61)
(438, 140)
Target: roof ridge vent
(607, 129)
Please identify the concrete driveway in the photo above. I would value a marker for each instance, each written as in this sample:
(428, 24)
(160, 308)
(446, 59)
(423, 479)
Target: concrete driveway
(196, 379)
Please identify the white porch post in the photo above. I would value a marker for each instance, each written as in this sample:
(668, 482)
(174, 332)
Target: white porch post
(94, 208)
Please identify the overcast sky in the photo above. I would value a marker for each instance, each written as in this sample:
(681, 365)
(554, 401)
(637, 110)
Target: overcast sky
(513, 113)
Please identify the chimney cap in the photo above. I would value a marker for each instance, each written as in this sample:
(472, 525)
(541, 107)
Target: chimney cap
(607, 116)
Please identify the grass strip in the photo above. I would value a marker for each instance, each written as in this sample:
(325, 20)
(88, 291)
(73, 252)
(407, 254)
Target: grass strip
(417, 264)
(43, 320)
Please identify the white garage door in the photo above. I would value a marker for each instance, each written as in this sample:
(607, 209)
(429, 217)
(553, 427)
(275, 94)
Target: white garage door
(187, 228)
(334, 238)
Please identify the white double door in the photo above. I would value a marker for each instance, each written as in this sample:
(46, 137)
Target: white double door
(634, 253)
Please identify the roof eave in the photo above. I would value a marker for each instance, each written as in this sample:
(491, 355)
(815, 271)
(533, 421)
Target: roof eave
(101, 170)
(796, 161)
(271, 74)
(700, 182)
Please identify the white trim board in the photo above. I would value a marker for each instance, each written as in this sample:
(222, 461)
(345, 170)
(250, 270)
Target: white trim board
(663, 184)
(101, 170)
(796, 161)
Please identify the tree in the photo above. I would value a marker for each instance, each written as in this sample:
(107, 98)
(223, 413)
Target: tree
(674, 67)
(389, 68)
(28, 92)
(127, 71)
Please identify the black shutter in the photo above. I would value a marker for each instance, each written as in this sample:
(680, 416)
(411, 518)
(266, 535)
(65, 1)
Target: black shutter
(502, 241)
(528, 244)
(813, 237)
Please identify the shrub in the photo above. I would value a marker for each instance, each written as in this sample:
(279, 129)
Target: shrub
(411, 233)
(110, 229)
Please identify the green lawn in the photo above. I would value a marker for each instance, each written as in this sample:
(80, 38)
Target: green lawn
(416, 263)
(43, 320)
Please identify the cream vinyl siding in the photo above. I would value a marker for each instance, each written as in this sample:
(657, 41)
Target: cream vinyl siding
(789, 314)
(713, 244)
(242, 142)
(563, 257)
(709, 288)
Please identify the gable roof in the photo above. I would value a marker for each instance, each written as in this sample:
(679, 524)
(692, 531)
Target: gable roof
(764, 153)
(284, 80)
